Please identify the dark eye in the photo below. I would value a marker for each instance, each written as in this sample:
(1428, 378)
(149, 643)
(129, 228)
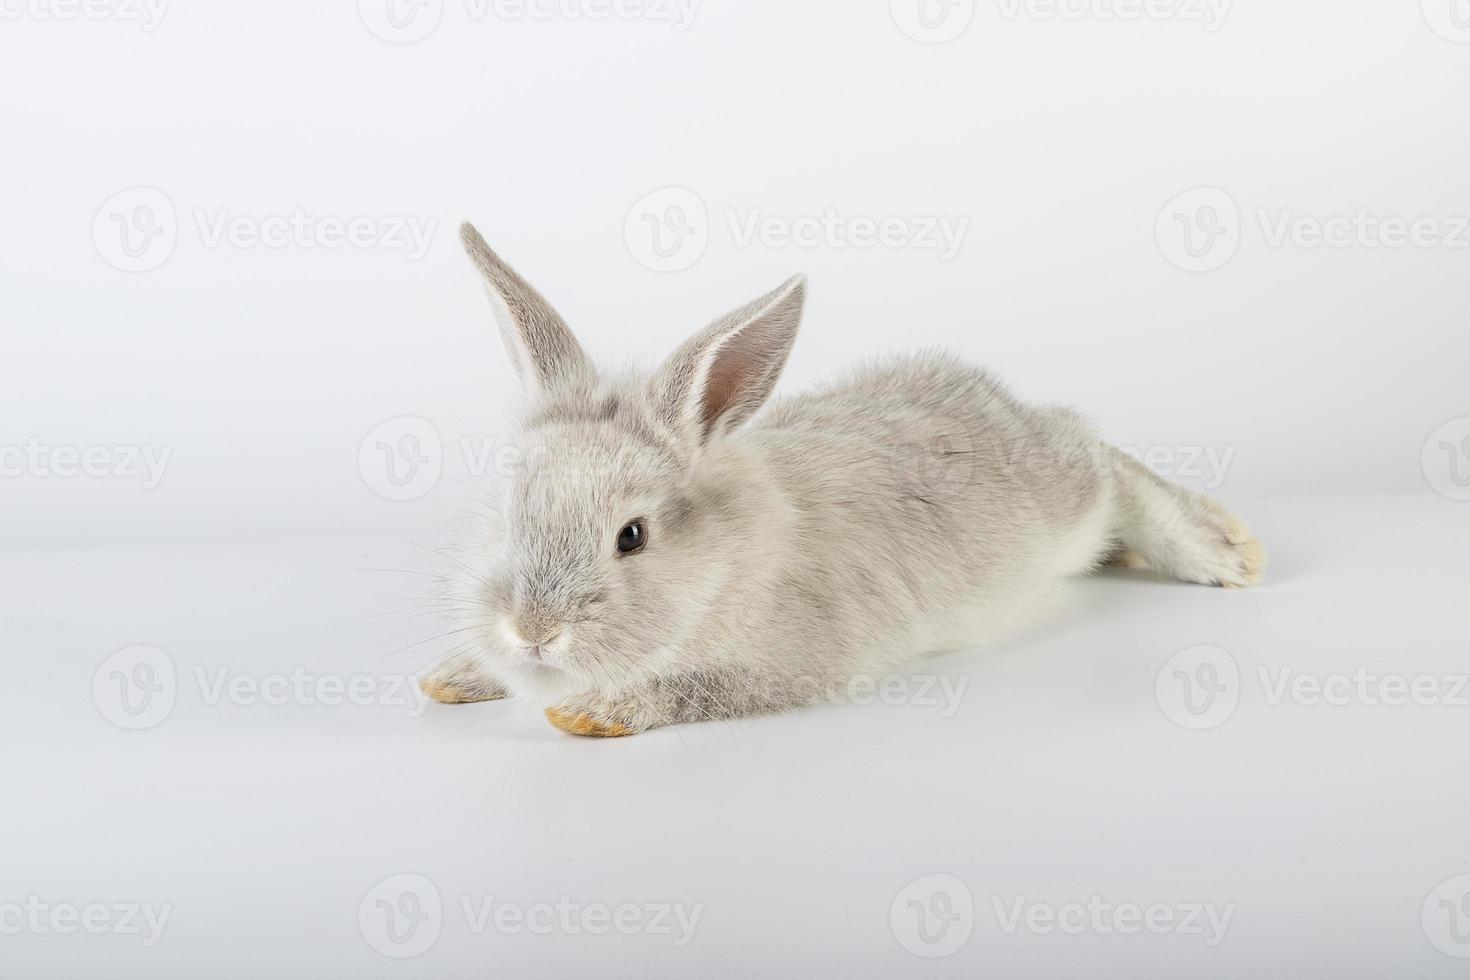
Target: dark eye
(632, 538)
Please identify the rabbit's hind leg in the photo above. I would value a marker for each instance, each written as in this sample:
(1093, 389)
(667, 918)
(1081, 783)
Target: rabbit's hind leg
(1180, 533)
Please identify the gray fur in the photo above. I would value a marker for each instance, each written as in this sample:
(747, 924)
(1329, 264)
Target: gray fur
(913, 507)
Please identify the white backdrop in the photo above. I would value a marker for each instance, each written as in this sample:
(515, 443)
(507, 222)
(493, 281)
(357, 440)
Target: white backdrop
(247, 376)
(1011, 192)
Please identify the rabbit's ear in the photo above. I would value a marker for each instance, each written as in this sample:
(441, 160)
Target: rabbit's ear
(540, 345)
(721, 375)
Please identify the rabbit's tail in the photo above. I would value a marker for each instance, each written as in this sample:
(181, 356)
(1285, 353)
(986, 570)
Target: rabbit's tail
(1177, 532)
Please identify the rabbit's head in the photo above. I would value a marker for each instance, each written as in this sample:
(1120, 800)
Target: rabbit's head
(629, 511)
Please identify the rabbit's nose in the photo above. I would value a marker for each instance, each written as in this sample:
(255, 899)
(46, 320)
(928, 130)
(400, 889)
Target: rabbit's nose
(534, 628)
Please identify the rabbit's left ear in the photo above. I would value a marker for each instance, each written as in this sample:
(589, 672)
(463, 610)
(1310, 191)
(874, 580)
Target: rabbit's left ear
(720, 376)
(541, 347)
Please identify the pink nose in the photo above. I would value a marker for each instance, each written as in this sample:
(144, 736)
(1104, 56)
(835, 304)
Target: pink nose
(534, 629)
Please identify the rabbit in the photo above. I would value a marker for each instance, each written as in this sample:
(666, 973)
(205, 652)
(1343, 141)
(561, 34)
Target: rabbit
(665, 554)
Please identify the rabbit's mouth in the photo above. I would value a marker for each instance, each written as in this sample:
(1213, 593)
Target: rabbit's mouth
(547, 647)
(537, 657)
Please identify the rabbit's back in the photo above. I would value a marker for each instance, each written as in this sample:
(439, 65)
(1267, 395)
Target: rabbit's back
(930, 433)
(921, 487)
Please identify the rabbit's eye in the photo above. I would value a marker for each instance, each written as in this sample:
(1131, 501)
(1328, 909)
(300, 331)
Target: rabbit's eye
(632, 538)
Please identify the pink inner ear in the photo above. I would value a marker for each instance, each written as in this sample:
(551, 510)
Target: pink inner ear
(730, 369)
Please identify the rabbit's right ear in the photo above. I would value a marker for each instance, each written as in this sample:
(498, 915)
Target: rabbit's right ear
(541, 347)
(721, 375)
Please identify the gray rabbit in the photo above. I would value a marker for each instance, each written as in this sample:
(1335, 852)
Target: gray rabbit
(664, 555)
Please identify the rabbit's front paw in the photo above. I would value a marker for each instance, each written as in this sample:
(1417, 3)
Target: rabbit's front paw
(591, 715)
(459, 680)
